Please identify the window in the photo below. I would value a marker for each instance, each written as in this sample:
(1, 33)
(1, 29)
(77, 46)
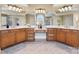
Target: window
(40, 19)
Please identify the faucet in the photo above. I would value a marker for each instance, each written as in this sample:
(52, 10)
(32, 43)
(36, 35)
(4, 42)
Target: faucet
(7, 26)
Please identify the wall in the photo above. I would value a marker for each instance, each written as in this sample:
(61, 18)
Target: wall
(30, 19)
(55, 18)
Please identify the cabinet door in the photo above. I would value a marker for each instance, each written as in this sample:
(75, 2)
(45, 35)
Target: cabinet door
(74, 38)
(51, 36)
(20, 35)
(62, 36)
(7, 38)
(11, 37)
(4, 39)
(68, 37)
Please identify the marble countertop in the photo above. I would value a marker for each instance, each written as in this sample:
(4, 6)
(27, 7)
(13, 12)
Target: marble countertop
(18, 27)
(63, 27)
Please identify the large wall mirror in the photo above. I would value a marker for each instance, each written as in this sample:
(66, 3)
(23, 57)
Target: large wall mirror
(5, 20)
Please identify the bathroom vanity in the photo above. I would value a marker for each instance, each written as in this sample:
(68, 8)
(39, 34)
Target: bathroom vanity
(64, 35)
(13, 36)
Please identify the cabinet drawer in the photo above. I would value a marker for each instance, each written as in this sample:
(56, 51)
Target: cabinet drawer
(51, 38)
(30, 35)
(50, 34)
(30, 38)
(31, 32)
(3, 32)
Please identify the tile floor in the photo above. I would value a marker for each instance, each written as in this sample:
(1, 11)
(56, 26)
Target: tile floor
(41, 46)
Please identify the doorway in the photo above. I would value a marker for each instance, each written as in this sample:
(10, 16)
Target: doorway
(40, 33)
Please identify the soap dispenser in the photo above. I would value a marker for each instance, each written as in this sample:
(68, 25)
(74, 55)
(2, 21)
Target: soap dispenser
(7, 26)
(17, 24)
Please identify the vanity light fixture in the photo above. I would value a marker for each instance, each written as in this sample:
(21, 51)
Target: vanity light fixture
(65, 8)
(40, 10)
(15, 8)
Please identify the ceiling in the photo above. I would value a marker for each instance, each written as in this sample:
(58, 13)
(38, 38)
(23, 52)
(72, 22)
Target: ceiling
(30, 8)
(48, 7)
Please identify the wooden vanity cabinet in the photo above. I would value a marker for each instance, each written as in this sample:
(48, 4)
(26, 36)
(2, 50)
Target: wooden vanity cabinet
(51, 34)
(68, 37)
(7, 38)
(72, 38)
(75, 38)
(20, 35)
(61, 35)
(30, 35)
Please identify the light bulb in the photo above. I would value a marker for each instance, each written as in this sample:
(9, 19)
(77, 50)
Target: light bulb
(41, 11)
(20, 9)
(38, 11)
(14, 8)
(10, 7)
(17, 9)
(66, 9)
(63, 9)
(60, 10)
(69, 7)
